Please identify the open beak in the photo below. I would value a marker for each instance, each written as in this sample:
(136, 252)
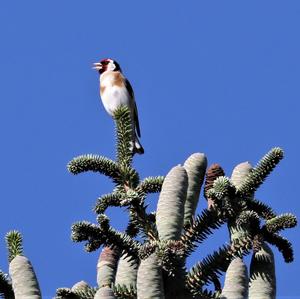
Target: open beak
(97, 66)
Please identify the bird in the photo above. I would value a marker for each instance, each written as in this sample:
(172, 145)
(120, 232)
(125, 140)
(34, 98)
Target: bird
(116, 90)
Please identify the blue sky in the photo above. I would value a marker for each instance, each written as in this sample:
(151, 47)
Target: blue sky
(219, 77)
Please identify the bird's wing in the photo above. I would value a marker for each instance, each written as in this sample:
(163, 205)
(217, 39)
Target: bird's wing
(135, 111)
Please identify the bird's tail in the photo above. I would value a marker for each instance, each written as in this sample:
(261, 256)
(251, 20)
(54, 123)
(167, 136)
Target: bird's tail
(137, 147)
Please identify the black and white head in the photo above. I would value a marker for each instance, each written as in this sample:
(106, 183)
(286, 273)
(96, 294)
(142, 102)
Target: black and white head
(107, 65)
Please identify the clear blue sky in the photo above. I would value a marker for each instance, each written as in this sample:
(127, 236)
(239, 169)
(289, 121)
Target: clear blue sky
(219, 77)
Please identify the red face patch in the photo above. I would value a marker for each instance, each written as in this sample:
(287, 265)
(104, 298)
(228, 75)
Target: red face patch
(105, 61)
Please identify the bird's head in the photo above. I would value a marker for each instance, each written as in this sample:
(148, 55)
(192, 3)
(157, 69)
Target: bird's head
(106, 65)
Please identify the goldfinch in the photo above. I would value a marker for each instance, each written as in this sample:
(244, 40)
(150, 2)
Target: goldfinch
(115, 90)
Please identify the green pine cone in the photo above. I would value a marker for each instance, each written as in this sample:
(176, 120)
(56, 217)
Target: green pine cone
(24, 281)
(262, 283)
(149, 279)
(126, 272)
(195, 167)
(236, 280)
(170, 207)
(106, 267)
(105, 293)
(239, 173)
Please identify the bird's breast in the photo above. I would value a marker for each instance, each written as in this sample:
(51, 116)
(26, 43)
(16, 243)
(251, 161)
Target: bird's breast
(113, 97)
(113, 91)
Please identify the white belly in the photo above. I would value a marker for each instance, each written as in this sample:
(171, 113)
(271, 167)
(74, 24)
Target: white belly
(114, 97)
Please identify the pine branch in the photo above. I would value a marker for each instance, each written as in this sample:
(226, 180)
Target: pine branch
(86, 294)
(224, 202)
(211, 267)
(147, 249)
(129, 177)
(95, 163)
(66, 293)
(170, 255)
(151, 184)
(263, 210)
(217, 284)
(6, 290)
(131, 198)
(206, 294)
(258, 174)
(280, 222)
(143, 221)
(222, 187)
(14, 244)
(139, 219)
(122, 292)
(118, 198)
(95, 235)
(282, 244)
(200, 228)
(108, 200)
(124, 242)
(84, 230)
(248, 220)
(124, 136)
(132, 230)
(222, 196)
(257, 242)
(103, 235)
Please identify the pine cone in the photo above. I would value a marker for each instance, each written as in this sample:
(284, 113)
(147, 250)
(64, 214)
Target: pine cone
(214, 171)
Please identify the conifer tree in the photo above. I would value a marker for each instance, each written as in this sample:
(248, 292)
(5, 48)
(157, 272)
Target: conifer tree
(154, 247)
(148, 259)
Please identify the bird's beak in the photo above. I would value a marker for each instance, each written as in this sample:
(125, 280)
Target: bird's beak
(97, 66)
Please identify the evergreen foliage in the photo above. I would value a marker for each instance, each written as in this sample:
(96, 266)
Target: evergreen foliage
(6, 290)
(14, 244)
(283, 245)
(65, 293)
(122, 292)
(263, 210)
(168, 237)
(148, 259)
(259, 173)
(209, 269)
(95, 163)
(200, 228)
(151, 184)
(281, 222)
